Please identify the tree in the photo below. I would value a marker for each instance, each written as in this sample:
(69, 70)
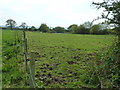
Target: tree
(95, 29)
(43, 28)
(73, 28)
(59, 29)
(111, 13)
(23, 25)
(32, 28)
(10, 23)
(82, 30)
(78, 29)
(87, 24)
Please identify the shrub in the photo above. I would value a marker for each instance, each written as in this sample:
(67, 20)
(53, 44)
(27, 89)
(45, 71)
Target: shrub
(104, 69)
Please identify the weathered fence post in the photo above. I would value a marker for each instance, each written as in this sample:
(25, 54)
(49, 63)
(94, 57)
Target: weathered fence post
(32, 69)
(25, 57)
(25, 50)
(31, 65)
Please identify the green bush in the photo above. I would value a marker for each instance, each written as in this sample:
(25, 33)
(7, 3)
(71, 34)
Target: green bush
(104, 69)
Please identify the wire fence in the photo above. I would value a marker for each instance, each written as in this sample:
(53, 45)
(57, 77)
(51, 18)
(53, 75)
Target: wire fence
(15, 55)
(29, 68)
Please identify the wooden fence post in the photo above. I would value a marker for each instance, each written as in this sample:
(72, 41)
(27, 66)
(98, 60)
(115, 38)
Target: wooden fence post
(25, 50)
(25, 57)
(32, 69)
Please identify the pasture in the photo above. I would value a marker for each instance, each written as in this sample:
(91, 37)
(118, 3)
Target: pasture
(61, 59)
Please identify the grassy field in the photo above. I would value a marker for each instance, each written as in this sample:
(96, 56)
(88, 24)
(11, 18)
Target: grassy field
(61, 59)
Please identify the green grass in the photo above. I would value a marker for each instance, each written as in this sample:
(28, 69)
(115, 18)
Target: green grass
(12, 73)
(62, 59)
(88, 42)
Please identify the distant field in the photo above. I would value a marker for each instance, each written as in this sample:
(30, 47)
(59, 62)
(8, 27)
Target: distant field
(61, 59)
(88, 43)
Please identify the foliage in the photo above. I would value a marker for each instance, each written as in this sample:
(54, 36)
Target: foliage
(73, 28)
(87, 24)
(23, 25)
(111, 13)
(112, 8)
(104, 68)
(79, 29)
(59, 29)
(95, 29)
(43, 28)
(82, 30)
(12, 74)
(85, 28)
(32, 28)
(10, 23)
(88, 28)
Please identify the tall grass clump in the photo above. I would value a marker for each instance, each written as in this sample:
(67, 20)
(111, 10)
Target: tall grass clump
(12, 74)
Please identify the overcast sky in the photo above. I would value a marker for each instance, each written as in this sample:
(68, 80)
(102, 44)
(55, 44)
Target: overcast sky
(52, 12)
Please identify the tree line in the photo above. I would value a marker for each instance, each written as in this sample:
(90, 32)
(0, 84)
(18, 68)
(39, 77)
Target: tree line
(85, 28)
